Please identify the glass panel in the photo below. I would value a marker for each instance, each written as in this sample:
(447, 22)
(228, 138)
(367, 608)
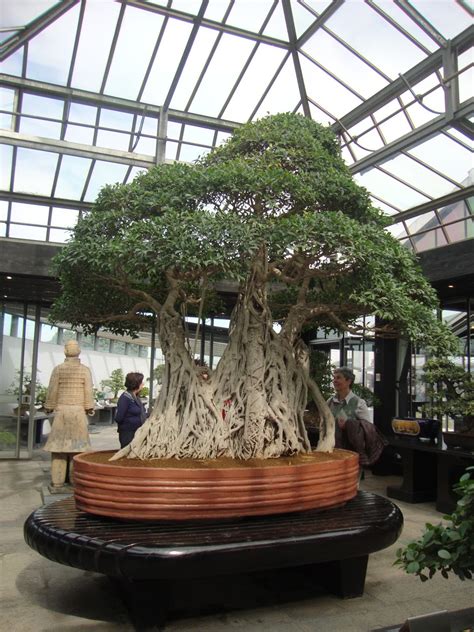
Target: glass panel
(466, 78)
(221, 75)
(20, 231)
(6, 103)
(449, 18)
(113, 140)
(35, 171)
(65, 217)
(249, 15)
(344, 64)
(104, 173)
(6, 162)
(460, 230)
(137, 26)
(325, 90)
(264, 63)
(302, 17)
(59, 236)
(388, 188)
(166, 62)
(446, 156)
(383, 40)
(41, 106)
(72, 176)
(419, 176)
(408, 24)
(100, 19)
(13, 65)
(283, 95)
(29, 213)
(276, 26)
(10, 362)
(49, 333)
(79, 134)
(427, 241)
(44, 62)
(202, 47)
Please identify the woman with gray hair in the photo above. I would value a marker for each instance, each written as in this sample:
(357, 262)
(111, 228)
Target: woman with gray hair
(345, 404)
(354, 430)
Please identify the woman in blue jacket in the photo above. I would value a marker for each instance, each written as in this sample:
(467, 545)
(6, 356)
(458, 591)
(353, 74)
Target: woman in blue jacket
(130, 413)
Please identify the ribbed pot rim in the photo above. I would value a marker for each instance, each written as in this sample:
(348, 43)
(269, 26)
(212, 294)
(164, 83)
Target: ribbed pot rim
(182, 493)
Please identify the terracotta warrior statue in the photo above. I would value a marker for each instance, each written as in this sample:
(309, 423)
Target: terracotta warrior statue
(70, 396)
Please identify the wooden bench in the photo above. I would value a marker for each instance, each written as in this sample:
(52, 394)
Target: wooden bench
(142, 557)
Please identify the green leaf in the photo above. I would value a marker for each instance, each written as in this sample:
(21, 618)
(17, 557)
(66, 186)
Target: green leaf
(413, 567)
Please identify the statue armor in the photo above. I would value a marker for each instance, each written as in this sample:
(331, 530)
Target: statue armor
(70, 395)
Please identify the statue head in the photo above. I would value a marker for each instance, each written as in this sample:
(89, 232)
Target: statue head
(71, 349)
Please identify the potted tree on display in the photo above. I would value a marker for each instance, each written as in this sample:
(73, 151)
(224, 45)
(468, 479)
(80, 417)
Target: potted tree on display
(114, 383)
(450, 390)
(275, 214)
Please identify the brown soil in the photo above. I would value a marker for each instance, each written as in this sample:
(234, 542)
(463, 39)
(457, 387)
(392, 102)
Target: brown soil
(223, 462)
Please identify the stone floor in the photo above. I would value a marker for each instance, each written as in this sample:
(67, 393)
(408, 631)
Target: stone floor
(41, 595)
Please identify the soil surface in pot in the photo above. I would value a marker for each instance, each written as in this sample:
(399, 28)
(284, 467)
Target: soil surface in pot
(221, 462)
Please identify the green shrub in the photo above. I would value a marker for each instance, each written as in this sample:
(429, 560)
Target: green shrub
(448, 548)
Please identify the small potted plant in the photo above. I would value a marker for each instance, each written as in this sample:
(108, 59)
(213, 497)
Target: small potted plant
(447, 548)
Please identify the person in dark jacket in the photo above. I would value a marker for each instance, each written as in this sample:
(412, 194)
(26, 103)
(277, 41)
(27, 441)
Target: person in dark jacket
(130, 413)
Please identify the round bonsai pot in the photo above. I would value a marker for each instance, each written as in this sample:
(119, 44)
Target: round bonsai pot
(185, 489)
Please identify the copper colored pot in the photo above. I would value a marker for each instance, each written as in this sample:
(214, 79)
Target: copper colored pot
(144, 492)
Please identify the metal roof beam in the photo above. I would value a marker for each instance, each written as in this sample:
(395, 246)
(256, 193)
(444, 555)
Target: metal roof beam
(212, 24)
(290, 27)
(75, 149)
(184, 57)
(29, 198)
(421, 22)
(16, 41)
(441, 202)
(460, 43)
(413, 138)
(114, 103)
(325, 15)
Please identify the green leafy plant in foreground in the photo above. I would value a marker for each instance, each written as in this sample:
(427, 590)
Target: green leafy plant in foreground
(448, 548)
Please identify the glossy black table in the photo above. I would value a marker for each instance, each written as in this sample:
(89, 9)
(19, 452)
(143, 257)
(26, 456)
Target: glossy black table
(142, 557)
(429, 472)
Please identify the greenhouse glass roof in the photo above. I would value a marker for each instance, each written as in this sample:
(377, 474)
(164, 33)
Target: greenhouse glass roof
(93, 91)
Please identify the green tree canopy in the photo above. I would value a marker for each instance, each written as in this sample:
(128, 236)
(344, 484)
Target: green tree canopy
(276, 210)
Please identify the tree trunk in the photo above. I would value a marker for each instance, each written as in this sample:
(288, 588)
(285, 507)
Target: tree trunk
(251, 407)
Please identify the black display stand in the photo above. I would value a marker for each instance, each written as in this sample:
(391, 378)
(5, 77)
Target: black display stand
(144, 558)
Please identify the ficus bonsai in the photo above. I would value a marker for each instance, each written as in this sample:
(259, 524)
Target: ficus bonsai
(276, 211)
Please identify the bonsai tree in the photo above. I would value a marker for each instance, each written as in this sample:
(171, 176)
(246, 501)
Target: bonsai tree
(448, 548)
(275, 211)
(451, 392)
(115, 382)
(40, 389)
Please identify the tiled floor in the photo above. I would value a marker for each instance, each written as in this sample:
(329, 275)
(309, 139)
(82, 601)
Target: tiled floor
(40, 595)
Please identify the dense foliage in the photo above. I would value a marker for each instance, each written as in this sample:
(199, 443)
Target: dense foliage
(450, 389)
(448, 548)
(276, 211)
